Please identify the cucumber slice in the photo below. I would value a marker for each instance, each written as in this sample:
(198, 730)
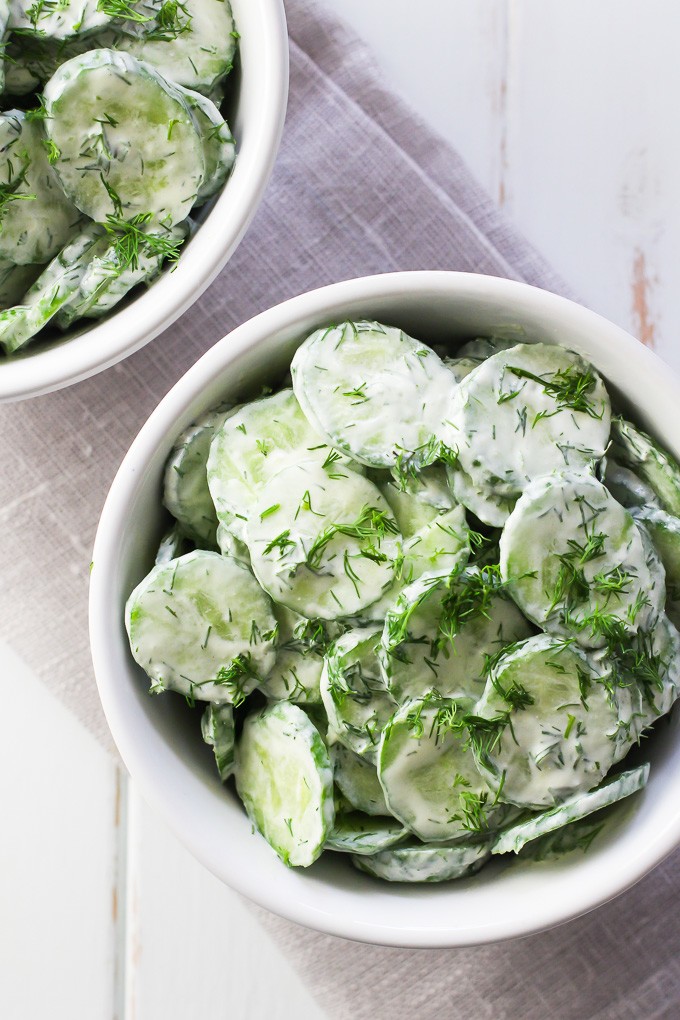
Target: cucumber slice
(440, 633)
(108, 278)
(219, 147)
(644, 670)
(58, 21)
(255, 444)
(461, 367)
(664, 531)
(323, 546)
(285, 780)
(126, 139)
(301, 645)
(373, 391)
(230, 545)
(38, 219)
(579, 805)
(626, 487)
(523, 413)
(419, 863)
(201, 625)
(173, 544)
(429, 775)
(194, 47)
(440, 548)
(547, 726)
(357, 780)
(636, 450)
(577, 564)
(15, 281)
(217, 727)
(185, 486)
(355, 833)
(57, 283)
(353, 692)
(423, 497)
(483, 347)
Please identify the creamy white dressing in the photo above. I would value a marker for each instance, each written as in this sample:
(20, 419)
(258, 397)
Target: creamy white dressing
(372, 390)
(193, 616)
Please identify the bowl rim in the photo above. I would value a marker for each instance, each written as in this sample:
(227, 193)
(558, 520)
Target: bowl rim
(130, 328)
(144, 768)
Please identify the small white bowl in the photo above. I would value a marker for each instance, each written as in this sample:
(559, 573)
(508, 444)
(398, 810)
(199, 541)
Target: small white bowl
(256, 114)
(160, 742)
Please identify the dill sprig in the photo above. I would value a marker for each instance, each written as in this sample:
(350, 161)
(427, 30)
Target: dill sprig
(569, 387)
(121, 9)
(10, 190)
(370, 527)
(234, 676)
(130, 242)
(172, 20)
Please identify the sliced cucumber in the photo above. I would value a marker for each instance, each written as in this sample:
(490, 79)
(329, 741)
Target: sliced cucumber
(626, 487)
(546, 726)
(39, 219)
(57, 283)
(173, 544)
(185, 486)
(576, 563)
(301, 645)
(192, 43)
(126, 140)
(357, 780)
(230, 545)
(255, 444)
(109, 278)
(285, 780)
(219, 147)
(440, 548)
(441, 632)
(664, 531)
(323, 546)
(217, 727)
(419, 863)
(202, 626)
(523, 413)
(421, 499)
(429, 775)
(636, 450)
(353, 692)
(579, 805)
(461, 367)
(644, 670)
(483, 347)
(355, 833)
(373, 391)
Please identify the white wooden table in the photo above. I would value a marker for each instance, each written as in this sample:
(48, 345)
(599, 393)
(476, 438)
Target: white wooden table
(566, 111)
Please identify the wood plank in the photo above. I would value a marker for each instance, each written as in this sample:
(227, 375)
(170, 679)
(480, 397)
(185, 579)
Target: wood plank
(58, 871)
(194, 948)
(593, 153)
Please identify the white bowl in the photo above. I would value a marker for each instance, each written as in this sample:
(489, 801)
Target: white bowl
(256, 114)
(160, 741)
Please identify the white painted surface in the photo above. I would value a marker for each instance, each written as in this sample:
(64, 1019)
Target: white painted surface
(566, 113)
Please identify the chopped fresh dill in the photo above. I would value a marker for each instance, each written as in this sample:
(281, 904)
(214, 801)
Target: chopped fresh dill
(569, 387)
(131, 241)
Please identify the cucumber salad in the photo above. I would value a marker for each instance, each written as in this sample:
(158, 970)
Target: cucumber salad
(425, 605)
(110, 136)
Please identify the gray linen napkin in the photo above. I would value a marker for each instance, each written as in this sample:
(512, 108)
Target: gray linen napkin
(361, 186)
